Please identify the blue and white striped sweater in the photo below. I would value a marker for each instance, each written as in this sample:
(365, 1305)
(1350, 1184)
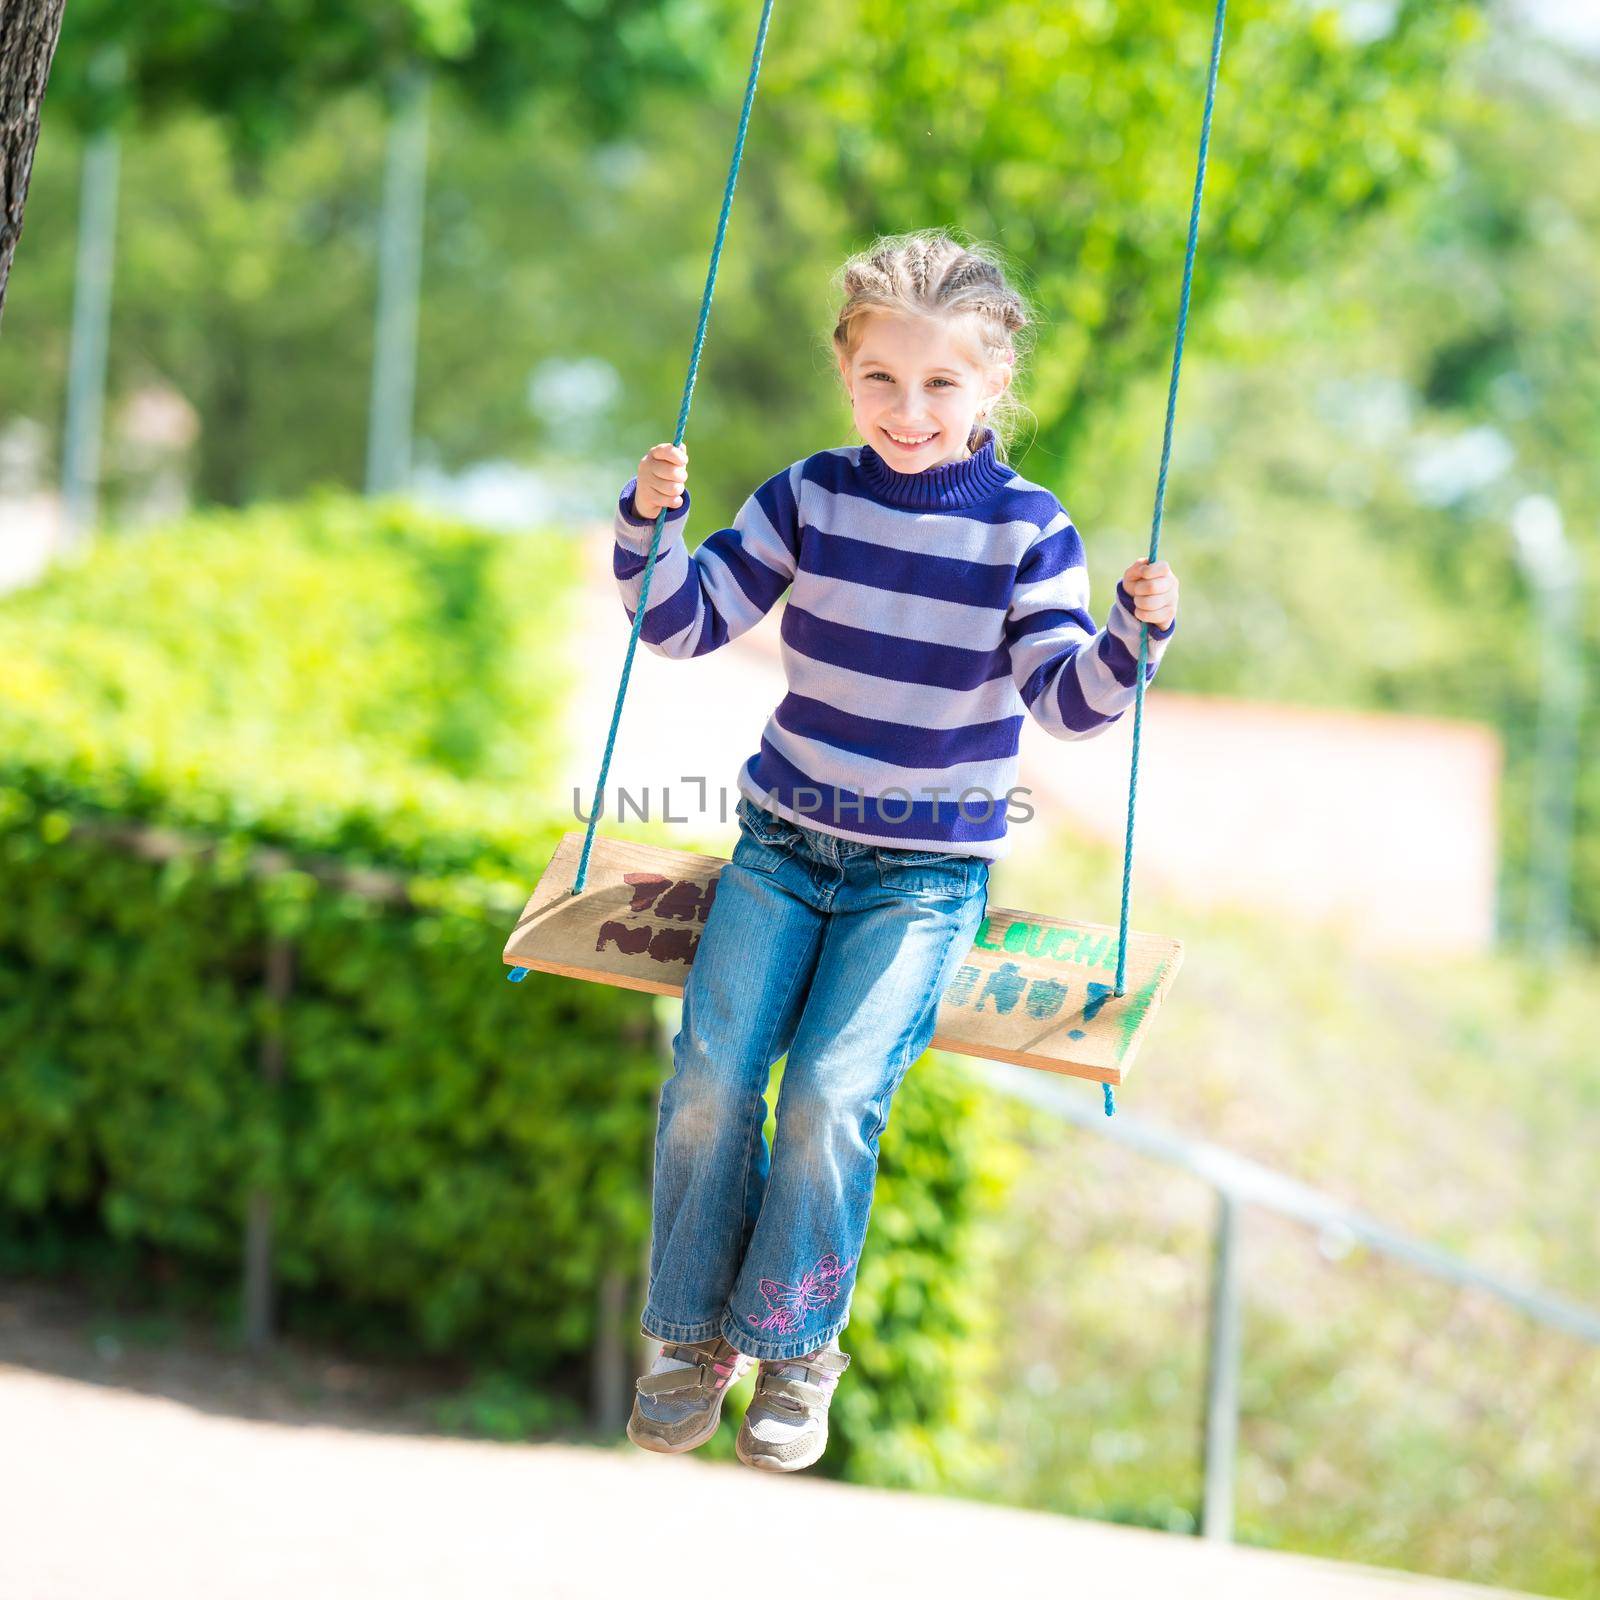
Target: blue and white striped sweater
(928, 613)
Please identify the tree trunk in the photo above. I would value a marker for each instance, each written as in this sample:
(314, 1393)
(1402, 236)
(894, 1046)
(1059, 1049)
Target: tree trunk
(28, 33)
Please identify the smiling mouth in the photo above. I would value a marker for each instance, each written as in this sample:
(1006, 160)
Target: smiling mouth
(914, 444)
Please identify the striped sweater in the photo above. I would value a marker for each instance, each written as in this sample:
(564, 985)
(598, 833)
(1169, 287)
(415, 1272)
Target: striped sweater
(928, 614)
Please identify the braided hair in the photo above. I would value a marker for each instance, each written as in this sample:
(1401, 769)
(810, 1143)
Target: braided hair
(929, 273)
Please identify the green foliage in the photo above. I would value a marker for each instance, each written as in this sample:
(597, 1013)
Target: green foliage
(262, 66)
(500, 1405)
(436, 1183)
(1326, 557)
(1068, 138)
(456, 1162)
(366, 685)
(1387, 1417)
(1398, 244)
(929, 1304)
(1067, 133)
(245, 285)
(333, 677)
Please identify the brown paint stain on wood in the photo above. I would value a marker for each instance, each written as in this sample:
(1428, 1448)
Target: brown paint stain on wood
(1033, 991)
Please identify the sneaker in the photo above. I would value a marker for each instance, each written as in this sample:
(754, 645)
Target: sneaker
(786, 1427)
(678, 1404)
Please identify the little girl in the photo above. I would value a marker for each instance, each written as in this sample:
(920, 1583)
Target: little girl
(936, 599)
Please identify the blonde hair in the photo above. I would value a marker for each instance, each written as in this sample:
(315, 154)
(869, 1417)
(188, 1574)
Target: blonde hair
(929, 273)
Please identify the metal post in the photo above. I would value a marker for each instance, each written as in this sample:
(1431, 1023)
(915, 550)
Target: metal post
(609, 1398)
(91, 333)
(1222, 1376)
(394, 355)
(647, 1346)
(1552, 571)
(258, 1286)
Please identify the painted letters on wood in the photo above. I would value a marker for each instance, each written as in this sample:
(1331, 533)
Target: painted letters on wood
(1036, 990)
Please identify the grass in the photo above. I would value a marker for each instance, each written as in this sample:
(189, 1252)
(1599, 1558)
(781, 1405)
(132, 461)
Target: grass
(1386, 1417)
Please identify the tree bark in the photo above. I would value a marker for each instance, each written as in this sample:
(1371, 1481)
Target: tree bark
(29, 30)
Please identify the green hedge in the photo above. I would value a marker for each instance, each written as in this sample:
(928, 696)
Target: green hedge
(456, 1160)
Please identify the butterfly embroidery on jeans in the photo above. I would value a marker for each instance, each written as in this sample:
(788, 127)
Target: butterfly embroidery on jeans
(818, 1286)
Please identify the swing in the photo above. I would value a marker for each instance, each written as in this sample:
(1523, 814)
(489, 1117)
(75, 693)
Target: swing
(1034, 989)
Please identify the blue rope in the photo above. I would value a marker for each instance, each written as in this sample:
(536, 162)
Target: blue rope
(1161, 494)
(677, 439)
(517, 974)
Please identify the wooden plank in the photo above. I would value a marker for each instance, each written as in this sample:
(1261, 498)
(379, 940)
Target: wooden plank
(1035, 990)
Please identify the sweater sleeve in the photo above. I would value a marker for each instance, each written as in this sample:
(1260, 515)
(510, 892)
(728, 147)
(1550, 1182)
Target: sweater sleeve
(1074, 680)
(699, 602)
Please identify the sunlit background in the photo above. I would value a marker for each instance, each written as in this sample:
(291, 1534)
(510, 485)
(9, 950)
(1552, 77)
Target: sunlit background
(332, 335)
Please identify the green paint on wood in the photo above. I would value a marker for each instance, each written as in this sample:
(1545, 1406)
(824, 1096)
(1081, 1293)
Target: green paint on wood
(1134, 1012)
(1043, 942)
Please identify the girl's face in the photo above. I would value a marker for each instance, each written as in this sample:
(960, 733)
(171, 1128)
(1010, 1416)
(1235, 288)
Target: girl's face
(913, 377)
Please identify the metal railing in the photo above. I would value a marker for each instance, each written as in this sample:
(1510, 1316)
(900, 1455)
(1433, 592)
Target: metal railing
(1237, 1182)
(158, 844)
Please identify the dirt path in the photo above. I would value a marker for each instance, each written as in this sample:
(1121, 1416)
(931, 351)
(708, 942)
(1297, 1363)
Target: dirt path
(141, 1462)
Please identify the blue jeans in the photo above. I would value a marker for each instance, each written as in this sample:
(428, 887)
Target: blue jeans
(837, 953)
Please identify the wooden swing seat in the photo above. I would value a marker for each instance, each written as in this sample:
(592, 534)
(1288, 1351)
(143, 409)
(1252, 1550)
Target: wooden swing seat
(1036, 990)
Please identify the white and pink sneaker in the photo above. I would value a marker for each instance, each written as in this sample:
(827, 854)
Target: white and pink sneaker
(786, 1427)
(678, 1404)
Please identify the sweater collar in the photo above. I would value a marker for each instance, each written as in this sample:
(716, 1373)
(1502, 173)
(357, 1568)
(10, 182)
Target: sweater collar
(950, 487)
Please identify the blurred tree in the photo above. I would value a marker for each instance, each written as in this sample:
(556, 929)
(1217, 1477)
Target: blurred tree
(1381, 366)
(265, 72)
(265, 68)
(1356, 443)
(29, 30)
(1067, 134)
